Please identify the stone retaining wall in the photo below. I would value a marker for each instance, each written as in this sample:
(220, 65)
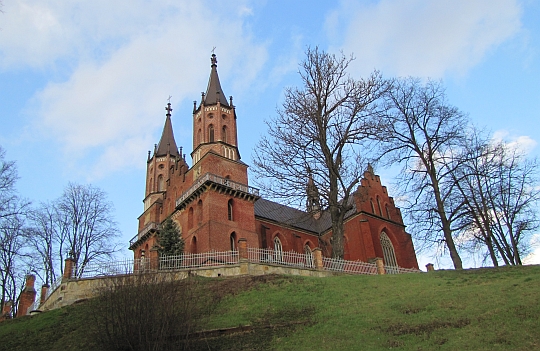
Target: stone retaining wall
(73, 290)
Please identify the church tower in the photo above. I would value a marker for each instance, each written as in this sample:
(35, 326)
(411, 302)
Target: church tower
(211, 201)
(214, 121)
(219, 205)
(165, 155)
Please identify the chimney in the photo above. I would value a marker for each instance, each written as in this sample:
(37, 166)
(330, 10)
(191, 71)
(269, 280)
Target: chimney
(28, 295)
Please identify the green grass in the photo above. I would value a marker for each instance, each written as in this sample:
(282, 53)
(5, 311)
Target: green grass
(483, 309)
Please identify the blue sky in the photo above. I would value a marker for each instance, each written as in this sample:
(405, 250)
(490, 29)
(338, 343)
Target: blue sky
(83, 84)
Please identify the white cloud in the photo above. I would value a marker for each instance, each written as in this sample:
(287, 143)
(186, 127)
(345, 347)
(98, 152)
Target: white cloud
(534, 257)
(127, 58)
(421, 37)
(522, 143)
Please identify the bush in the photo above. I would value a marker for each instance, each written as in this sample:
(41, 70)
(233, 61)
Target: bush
(153, 311)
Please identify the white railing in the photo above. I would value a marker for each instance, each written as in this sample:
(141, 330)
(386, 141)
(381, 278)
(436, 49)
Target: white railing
(284, 258)
(150, 226)
(184, 261)
(53, 287)
(224, 258)
(213, 258)
(33, 306)
(399, 270)
(352, 267)
(97, 269)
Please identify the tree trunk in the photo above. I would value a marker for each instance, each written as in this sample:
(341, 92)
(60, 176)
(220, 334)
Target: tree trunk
(447, 231)
(338, 243)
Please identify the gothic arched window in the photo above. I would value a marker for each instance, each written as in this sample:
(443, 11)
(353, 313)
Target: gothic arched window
(211, 133)
(199, 137)
(388, 252)
(230, 214)
(190, 218)
(160, 183)
(372, 206)
(309, 256)
(388, 212)
(379, 205)
(199, 212)
(224, 134)
(233, 241)
(278, 248)
(194, 245)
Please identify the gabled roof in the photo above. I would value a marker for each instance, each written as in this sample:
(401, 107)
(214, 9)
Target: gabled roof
(214, 91)
(167, 143)
(292, 217)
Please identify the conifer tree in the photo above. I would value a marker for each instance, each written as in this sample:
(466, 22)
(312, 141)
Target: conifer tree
(170, 240)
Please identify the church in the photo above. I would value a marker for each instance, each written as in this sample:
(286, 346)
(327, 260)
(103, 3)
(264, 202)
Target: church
(214, 206)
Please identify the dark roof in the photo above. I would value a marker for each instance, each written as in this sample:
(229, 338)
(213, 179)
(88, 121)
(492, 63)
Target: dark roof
(167, 143)
(214, 91)
(292, 217)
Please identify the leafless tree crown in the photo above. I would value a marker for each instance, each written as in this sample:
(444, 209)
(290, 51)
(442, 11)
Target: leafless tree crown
(321, 131)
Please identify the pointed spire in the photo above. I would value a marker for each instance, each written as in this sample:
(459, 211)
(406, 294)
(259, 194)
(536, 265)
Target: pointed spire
(214, 93)
(370, 169)
(167, 145)
(313, 199)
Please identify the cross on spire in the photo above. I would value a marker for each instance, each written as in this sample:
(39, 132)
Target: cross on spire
(214, 58)
(169, 108)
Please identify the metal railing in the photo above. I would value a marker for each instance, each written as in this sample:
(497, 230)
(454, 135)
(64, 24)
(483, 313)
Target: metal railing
(225, 258)
(53, 287)
(284, 258)
(399, 270)
(352, 267)
(212, 258)
(184, 261)
(146, 229)
(209, 177)
(33, 306)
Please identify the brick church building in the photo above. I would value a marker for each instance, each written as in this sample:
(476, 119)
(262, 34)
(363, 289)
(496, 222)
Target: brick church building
(214, 206)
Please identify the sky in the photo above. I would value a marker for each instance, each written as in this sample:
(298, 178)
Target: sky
(84, 84)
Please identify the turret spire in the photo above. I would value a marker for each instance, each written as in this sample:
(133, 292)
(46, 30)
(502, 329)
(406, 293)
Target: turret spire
(167, 145)
(214, 93)
(313, 199)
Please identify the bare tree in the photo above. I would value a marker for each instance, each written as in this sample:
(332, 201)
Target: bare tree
(499, 187)
(12, 264)
(12, 241)
(85, 220)
(420, 131)
(46, 241)
(10, 203)
(477, 158)
(317, 135)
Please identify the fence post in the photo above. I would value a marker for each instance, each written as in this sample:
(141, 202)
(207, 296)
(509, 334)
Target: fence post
(430, 267)
(317, 258)
(154, 258)
(242, 249)
(27, 297)
(68, 268)
(243, 256)
(44, 290)
(379, 263)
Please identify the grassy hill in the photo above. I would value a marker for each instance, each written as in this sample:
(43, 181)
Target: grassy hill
(481, 309)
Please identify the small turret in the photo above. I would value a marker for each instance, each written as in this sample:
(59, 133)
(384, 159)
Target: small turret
(313, 204)
(214, 121)
(167, 144)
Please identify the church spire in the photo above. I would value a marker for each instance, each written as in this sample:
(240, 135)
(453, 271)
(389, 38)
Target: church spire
(214, 93)
(313, 199)
(167, 145)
